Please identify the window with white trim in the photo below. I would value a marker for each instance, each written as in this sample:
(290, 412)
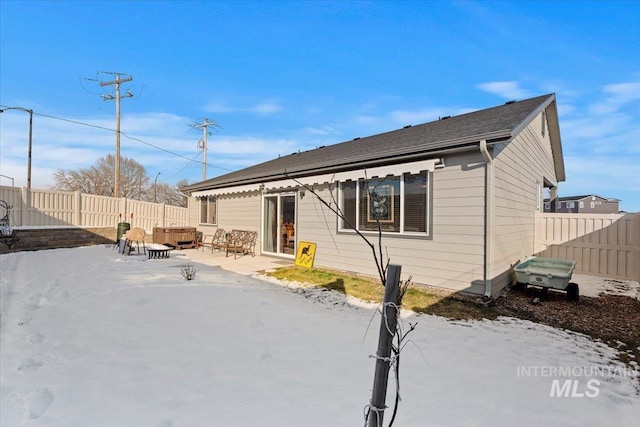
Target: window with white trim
(570, 205)
(397, 204)
(208, 210)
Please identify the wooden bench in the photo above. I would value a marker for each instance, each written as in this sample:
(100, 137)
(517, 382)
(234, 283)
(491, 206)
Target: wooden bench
(156, 250)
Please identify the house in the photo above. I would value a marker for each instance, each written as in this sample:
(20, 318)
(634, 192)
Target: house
(455, 198)
(583, 204)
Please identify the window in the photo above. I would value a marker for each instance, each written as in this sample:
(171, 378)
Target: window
(570, 205)
(208, 210)
(396, 204)
(581, 205)
(593, 205)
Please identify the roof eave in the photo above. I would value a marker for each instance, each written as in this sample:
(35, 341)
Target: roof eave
(447, 147)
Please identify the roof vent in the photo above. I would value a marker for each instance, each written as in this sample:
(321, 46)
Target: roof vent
(407, 126)
(445, 117)
(356, 138)
(510, 102)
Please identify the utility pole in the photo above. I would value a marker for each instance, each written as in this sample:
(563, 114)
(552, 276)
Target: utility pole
(26, 110)
(203, 142)
(117, 82)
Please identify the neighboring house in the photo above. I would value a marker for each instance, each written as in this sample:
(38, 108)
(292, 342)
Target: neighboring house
(583, 204)
(456, 198)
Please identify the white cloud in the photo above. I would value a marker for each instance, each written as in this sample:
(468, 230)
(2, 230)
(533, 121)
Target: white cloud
(508, 90)
(219, 108)
(591, 127)
(324, 130)
(595, 174)
(266, 108)
(624, 92)
(265, 148)
(365, 119)
(617, 96)
(262, 108)
(565, 109)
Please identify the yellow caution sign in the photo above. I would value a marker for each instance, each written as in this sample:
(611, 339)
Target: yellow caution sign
(306, 254)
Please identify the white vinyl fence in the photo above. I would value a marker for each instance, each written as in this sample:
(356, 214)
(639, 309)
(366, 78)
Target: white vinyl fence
(42, 208)
(606, 245)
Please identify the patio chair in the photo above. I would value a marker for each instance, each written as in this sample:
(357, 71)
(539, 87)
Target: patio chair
(241, 242)
(134, 235)
(218, 240)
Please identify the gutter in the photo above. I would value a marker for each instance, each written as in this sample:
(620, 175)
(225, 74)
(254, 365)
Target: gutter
(488, 217)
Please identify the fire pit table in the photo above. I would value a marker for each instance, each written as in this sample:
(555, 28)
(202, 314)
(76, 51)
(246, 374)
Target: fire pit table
(156, 250)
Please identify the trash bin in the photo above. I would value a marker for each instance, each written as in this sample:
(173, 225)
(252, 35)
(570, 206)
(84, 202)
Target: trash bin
(123, 227)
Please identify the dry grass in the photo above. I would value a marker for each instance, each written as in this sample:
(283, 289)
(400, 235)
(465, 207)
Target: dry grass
(612, 319)
(417, 299)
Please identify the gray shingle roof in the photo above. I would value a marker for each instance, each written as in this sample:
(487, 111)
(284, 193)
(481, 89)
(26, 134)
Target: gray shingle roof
(492, 124)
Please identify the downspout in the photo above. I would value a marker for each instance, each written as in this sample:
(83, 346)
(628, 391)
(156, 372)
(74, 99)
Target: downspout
(488, 217)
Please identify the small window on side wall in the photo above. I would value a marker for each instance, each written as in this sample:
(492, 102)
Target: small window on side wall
(208, 210)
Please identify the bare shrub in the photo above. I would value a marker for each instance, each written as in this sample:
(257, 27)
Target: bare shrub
(188, 272)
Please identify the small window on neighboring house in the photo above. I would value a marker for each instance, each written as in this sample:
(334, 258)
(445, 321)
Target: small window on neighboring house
(571, 205)
(547, 206)
(581, 205)
(593, 205)
(208, 210)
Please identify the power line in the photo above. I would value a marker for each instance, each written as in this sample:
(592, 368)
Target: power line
(76, 122)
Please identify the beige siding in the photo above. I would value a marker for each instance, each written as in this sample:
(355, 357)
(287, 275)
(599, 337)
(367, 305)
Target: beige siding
(240, 211)
(451, 258)
(517, 167)
(235, 211)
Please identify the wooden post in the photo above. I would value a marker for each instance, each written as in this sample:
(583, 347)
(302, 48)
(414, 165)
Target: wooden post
(388, 325)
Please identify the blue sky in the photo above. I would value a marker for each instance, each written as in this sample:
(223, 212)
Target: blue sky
(282, 76)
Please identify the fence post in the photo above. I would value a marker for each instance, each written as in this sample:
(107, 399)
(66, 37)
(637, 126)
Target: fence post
(26, 206)
(77, 208)
(388, 324)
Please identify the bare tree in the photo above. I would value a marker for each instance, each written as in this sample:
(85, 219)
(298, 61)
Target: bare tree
(388, 353)
(98, 179)
(169, 194)
(134, 182)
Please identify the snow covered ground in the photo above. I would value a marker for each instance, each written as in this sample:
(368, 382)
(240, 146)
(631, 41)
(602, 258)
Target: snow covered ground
(92, 338)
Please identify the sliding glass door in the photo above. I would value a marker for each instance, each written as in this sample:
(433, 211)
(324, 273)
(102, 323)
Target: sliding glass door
(279, 229)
